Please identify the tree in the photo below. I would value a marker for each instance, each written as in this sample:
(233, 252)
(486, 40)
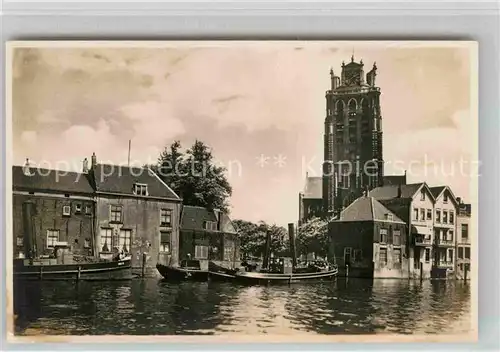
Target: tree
(312, 237)
(194, 176)
(253, 238)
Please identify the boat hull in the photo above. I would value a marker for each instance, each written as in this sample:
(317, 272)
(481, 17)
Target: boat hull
(181, 274)
(271, 278)
(115, 270)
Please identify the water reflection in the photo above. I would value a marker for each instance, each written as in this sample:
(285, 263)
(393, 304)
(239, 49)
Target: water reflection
(339, 306)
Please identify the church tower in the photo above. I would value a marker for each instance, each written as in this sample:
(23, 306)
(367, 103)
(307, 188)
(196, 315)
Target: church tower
(353, 159)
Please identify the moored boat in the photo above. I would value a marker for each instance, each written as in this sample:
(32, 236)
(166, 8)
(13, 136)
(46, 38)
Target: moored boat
(250, 277)
(49, 269)
(188, 270)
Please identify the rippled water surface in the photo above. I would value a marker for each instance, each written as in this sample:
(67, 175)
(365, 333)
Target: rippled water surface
(152, 306)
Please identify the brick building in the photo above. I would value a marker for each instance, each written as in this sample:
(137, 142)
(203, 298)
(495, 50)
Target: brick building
(58, 207)
(208, 235)
(136, 213)
(371, 240)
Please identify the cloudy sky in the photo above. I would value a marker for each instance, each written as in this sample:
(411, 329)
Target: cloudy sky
(246, 101)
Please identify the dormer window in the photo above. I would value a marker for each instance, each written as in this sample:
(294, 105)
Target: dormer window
(140, 189)
(210, 225)
(445, 198)
(422, 195)
(389, 217)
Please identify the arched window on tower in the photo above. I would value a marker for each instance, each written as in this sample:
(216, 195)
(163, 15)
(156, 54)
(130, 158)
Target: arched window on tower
(352, 106)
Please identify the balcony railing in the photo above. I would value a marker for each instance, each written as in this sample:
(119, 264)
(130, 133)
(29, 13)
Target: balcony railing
(447, 264)
(422, 241)
(446, 243)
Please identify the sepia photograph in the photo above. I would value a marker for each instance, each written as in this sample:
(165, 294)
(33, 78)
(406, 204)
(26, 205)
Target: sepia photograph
(251, 190)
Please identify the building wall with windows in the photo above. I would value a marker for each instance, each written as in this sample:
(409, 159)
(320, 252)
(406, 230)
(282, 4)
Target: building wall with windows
(463, 242)
(62, 210)
(137, 213)
(56, 218)
(370, 241)
(138, 225)
(445, 225)
(208, 235)
(421, 233)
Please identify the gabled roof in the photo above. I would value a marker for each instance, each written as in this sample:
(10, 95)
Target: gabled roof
(439, 190)
(121, 179)
(41, 179)
(313, 188)
(193, 218)
(367, 209)
(436, 191)
(388, 192)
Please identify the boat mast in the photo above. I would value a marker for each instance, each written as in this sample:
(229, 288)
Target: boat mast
(291, 235)
(267, 252)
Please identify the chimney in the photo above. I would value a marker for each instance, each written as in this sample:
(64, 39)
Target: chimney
(399, 191)
(94, 161)
(459, 200)
(85, 166)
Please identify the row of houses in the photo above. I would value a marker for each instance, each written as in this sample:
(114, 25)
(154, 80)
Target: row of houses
(106, 209)
(404, 231)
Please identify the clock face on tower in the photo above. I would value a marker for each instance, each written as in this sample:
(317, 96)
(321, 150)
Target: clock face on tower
(352, 78)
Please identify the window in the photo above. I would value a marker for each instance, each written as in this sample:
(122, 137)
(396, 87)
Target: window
(78, 208)
(450, 235)
(389, 217)
(52, 238)
(445, 198)
(438, 215)
(427, 255)
(210, 225)
(201, 252)
(444, 234)
(422, 195)
(415, 214)
(465, 231)
(124, 240)
(452, 217)
(86, 243)
(396, 238)
(445, 217)
(467, 253)
(383, 236)
(66, 210)
(383, 256)
(460, 252)
(450, 255)
(422, 214)
(20, 241)
(116, 213)
(166, 217)
(88, 210)
(141, 189)
(165, 241)
(396, 255)
(106, 240)
(429, 214)
(357, 255)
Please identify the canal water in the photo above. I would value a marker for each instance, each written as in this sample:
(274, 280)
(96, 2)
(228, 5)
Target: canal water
(156, 307)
